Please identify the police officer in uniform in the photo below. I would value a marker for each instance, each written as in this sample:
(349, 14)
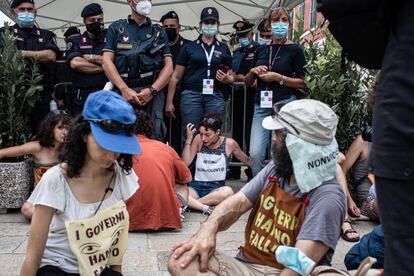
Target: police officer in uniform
(241, 56)
(63, 80)
(35, 45)
(137, 60)
(171, 24)
(84, 56)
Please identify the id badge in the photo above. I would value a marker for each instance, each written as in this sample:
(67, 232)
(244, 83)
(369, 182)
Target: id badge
(208, 86)
(266, 99)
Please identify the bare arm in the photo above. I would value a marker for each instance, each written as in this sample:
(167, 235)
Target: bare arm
(165, 74)
(96, 59)
(42, 56)
(237, 152)
(82, 65)
(172, 87)
(353, 154)
(39, 230)
(190, 147)
(314, 250)
(250, 78)
(28, 148)
(203, 243)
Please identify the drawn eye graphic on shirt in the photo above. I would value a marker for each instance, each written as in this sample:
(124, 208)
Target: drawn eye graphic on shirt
(116, 234)
(90, 248)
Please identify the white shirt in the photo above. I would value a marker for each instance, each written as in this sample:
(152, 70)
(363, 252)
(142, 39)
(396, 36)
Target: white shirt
(53, 191)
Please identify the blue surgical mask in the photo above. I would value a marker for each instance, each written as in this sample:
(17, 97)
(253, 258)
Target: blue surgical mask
(280, 29)
(209, 30)
(244, 42)
(25, 19)
(263, 41)
(293, 258)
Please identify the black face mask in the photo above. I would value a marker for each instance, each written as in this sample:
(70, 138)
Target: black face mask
(171, 33)
(95, 28)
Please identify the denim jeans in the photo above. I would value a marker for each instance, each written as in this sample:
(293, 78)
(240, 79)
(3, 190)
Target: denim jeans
(203, 188)
(194, 105)
(260, 138)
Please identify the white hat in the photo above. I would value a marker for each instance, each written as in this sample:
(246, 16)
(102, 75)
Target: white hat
(310, 120)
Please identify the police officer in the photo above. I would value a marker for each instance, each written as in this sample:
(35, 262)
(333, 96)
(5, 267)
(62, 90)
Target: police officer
(172, 27)
(265, 33)
(242, 103)
(35, 45)
(204, 66)
(137, 60)
(63, 80)
(84, 56)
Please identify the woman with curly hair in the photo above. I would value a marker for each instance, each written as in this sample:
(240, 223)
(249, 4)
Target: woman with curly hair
(44, 149)
(80, 221)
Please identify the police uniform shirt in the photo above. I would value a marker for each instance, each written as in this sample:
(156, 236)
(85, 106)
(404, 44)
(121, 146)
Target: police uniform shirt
(193, 57)
(115, 39)
(175, 49)
(240, 54)
(290, 62)
(86, 45)
(35, 39)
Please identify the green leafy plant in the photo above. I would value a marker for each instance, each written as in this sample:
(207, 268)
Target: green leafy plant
(19, 87)
(336, 81)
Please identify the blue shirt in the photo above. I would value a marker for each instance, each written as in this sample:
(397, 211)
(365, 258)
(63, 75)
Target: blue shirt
(86, 45)
(290, 62)
(193, 58)
(239, 54)
(114, 37)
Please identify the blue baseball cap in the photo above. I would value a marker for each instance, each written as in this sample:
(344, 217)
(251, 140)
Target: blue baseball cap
(106, 105)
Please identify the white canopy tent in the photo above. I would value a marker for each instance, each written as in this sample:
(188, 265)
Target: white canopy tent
(58, 15)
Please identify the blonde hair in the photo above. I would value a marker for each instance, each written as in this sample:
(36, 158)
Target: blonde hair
(278, 12)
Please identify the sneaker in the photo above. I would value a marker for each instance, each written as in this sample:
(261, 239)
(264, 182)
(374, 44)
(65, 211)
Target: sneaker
(208, 211)
(182, 212)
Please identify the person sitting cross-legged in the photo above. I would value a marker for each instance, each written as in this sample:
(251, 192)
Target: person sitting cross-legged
(213, 152)
(163, 179)
(297, 205)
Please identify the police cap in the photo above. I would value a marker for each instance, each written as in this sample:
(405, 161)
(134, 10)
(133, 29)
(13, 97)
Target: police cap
(92, 10)
(263, 26)
(170, 15)
(71, 31)
(16, 3)
(209, 13)
(243, 27)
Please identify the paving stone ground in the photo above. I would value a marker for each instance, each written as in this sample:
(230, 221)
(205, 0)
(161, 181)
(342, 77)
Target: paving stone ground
(147, 254)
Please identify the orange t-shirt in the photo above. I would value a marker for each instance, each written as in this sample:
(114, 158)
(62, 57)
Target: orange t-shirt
(155, 204)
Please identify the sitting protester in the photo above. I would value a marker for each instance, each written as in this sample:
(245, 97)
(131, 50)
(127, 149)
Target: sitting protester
(80, 221)
(297, 206)
(162, 174)
(213, 153)
(44, 149)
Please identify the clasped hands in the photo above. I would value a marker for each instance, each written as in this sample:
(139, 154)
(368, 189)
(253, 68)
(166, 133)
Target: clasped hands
(264, 74)
(140, 98)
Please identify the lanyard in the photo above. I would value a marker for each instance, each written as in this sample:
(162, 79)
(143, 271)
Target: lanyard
(272, 62)
(209, 57)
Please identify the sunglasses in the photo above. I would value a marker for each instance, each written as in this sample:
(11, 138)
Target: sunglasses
(210, 121)
(113, 126)
(276, 108)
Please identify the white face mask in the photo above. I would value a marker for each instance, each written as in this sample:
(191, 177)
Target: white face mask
(143, 7)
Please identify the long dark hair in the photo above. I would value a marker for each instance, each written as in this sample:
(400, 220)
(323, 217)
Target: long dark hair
(47, 125)
(144, 124)
(74, 150)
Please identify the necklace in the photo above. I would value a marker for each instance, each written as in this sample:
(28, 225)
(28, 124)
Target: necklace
(109, 188)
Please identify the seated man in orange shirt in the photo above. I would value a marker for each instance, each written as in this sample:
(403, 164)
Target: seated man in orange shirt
(156, 205)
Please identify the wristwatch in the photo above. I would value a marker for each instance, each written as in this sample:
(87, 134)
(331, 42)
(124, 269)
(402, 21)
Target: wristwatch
(154, 91)
(282, 81)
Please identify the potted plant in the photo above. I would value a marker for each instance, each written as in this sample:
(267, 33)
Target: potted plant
(19, 84)
(334, 80)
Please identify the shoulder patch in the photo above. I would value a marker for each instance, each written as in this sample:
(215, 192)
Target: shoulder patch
(69, 45)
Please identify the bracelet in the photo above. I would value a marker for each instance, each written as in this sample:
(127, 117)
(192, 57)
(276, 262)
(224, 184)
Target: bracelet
(188, 144)
(282, 81)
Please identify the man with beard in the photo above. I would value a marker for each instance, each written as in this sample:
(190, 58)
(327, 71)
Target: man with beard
(84, 56)
(297, 204)
(172, 27)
